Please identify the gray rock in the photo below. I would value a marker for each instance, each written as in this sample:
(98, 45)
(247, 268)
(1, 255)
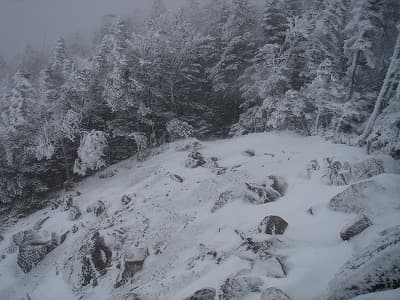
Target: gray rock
(204, 294)
(17, 239)
(33, 250)
(1, 238)
(249, 152)
(273, 225)
(239, 286)
(374, 268)
(274, 293)
(354, 228)
(194, 160)
(260, 194)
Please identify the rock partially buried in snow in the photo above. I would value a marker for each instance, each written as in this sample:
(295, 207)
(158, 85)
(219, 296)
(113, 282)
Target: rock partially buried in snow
(134, 261)
(98, 208)
(74, 213)
(223, 199)
(278, 183)
(176, 178)
(260, 194)
(273, 225)
(274, 268)
(204, 294)
(354, 228)
(194, 160)
(375, 268)
(274, 293)
(126, 199)
(238, 287)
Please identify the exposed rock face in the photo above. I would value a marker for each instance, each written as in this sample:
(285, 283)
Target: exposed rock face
(376, 268)
(204, 294)
(239, 286)
(33, 249)
(223, 199)
(273, 225)
(273, 293)
(194, 160)
(355, 227)
(260, 194)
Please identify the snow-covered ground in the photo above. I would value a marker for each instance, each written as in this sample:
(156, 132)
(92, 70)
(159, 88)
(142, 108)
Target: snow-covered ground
(189, 246)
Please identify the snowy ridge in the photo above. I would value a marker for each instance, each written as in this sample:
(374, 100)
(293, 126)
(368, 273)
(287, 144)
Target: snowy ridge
(189, 246)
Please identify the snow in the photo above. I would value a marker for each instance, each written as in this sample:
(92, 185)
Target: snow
(175, 217)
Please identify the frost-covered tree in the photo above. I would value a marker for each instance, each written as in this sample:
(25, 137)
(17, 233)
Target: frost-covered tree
(90, 152)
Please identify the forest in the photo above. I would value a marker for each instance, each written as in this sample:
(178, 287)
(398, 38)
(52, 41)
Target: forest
(210, 69)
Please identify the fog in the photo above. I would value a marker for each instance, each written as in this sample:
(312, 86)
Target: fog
(40, 22)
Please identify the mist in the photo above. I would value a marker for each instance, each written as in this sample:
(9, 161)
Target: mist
(40, 22)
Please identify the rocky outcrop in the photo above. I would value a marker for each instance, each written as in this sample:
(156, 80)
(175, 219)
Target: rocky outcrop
(194, 160)
(375, 268)
(273, 225)
(355, 227)
(274, 293)
(204, 294)
(238, 287)
(133, 262)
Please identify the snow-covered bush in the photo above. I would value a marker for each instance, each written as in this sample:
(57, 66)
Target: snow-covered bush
(91, 152)
(178, 129)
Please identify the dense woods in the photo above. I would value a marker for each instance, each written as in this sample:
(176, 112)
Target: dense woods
(213, 68)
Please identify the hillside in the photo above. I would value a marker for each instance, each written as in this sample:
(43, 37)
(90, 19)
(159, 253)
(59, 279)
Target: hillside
(169, 212)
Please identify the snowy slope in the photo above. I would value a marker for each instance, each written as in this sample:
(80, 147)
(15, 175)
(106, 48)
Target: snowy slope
(173, 221)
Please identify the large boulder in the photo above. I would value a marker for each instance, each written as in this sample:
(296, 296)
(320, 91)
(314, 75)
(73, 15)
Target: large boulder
(355, 227)
(33, 249)
(274, 293)
(372, 197)
(204, 294)
(375, 268)
(238, 287)
(195, 159)
(273, 225)
(133, 262)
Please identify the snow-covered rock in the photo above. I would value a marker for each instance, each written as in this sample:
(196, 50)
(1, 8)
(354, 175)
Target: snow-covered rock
(260, 194)
(223, 199)
(237, 287)
(274, 293)
(204, 294)
(375, 268)
(355, 227)
(195, 159)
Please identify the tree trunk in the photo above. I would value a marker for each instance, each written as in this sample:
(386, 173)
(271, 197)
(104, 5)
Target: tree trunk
(66, 162)
(391, 81)
(353, 71)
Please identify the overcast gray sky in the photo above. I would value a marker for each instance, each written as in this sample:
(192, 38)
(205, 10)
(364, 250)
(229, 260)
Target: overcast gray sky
(40, 22)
